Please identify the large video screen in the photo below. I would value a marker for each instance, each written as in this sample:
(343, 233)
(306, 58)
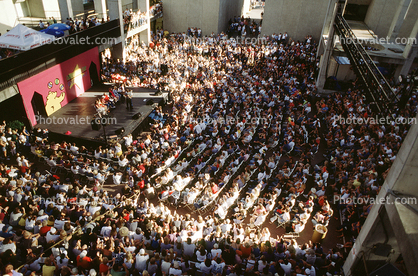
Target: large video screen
(48, 91)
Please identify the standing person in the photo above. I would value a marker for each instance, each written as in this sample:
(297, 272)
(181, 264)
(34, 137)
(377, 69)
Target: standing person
(128, 97)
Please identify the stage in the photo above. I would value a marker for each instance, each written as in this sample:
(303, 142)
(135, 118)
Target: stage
(77, 116)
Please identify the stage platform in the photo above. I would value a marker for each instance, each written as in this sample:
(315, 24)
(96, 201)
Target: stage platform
(77, 115)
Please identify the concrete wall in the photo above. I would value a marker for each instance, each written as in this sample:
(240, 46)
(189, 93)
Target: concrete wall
(228, 9)
(246, 6)
(7, 19)
(298, 18)
(380, 16)
(127, 4)
(52, 9)
(64, 11)
(78, 8)
(359, 2)
(402, 179)
(410, 19)
(181, 14)
(36, 8)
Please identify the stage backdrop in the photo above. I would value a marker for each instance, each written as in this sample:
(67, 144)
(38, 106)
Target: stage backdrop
(48, 91)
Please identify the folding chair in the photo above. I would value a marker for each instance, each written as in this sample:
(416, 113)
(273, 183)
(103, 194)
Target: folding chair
(273, 218)
(281, 222)
(90, 179)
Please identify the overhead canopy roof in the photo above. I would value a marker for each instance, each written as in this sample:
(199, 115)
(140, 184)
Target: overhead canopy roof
(24, 38)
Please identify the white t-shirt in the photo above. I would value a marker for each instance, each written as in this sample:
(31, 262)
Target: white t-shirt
(175, 271)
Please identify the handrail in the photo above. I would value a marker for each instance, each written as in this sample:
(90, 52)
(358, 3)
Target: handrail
(380, 90)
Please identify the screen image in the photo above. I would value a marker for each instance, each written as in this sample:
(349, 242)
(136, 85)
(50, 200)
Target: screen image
(48, 91)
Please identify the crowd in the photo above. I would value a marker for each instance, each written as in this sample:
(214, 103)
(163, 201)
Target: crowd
(5, 53)
(240, 26)
(237, 146)
(134, 19)
(156, 10)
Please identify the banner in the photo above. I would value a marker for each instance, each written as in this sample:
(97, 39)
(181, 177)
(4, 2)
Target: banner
(48, 91)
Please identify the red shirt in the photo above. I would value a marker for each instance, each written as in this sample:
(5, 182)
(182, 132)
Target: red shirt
(245, 251)
(142, 168)
(141, 184)
(126, 217)
(214, 189)
(103, 269)
(44, 230)
(85, 263)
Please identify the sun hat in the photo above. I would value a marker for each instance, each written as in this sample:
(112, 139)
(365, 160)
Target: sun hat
(123, 231)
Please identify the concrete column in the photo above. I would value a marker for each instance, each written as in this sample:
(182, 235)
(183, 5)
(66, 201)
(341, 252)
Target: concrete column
(66, 9)
(327, 24)
(322, 76)
(396, 214)
(246, 7)
(117, 51)
(100, 8)
(78, 8)
(398, 19)
(142, 4)
(410, 51)
(116, 12)
(409, 61)
(411, 43)
(145, 36)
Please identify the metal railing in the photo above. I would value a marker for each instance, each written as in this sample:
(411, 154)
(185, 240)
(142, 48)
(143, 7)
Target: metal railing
(379, 89)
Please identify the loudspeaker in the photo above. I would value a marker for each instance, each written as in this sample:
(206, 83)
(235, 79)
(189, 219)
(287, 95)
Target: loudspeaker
(158, 93)
(95, 125)
(120, 131)
(164, 69)
(137, 116)
(150, 102)
(382, 249)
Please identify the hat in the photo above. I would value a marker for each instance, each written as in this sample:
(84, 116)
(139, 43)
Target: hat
(307, 271)
(215, 246)
(83, 254)
(142, 251)
(26, 235)
(41, 213)
(74, 270)
(123, 231)
(53, 231)
(92, 272)
(176, 264)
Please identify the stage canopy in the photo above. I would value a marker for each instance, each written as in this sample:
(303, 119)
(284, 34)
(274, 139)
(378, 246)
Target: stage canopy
(24, 38)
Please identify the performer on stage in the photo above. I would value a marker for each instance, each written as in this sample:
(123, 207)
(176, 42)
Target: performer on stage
(128, 96)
